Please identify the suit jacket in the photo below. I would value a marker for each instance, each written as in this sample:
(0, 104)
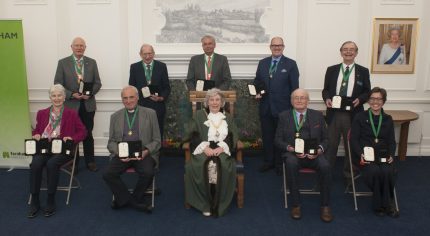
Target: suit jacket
(314, 126)
(220, 71)
(149, 133)
(70, 126)
(278, 88)
(361, 87)
(66, 76)
(362, 134)
(160, 78)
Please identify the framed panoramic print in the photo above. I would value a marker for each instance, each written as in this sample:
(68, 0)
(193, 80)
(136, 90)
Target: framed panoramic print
(394, 43)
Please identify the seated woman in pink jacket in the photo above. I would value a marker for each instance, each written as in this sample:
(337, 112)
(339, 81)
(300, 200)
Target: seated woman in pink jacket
(56, 121)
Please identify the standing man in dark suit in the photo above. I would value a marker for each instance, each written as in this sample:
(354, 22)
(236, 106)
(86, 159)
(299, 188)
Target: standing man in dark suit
(297, 127)
(209, 66)
(152, 73)
(279, 75)
(70, 72)
(351, 82)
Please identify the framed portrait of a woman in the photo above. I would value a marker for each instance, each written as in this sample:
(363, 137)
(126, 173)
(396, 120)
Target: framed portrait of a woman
(394, 43)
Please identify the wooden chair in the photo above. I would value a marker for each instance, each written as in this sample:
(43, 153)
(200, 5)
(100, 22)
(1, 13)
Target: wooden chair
(230, 99)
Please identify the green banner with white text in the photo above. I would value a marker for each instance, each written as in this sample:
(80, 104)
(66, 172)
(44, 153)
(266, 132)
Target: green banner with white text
(15, 123)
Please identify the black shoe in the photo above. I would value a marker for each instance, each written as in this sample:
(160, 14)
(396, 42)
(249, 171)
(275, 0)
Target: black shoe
(266, 167)
(33, 211)
(92, 167)
(141, 207)
(114, 205)
(49, 210)
(392, 212)
(380, 212)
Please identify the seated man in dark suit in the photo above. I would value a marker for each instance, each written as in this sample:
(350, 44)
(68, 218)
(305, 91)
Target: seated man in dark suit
(132, 123)
(302, 137)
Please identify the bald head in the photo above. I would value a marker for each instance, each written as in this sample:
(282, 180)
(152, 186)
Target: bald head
(147, 53)
(78, 47)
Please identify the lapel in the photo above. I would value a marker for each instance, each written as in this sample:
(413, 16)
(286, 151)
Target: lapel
(121, 121)
(71, 64)
(356, 81)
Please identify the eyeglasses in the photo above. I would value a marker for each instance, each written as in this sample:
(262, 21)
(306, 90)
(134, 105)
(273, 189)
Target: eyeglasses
(348, 49)
(375, 99)
(277, 45)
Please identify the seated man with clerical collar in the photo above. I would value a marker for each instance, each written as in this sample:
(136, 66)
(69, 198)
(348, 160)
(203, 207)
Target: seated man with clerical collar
(128, 126)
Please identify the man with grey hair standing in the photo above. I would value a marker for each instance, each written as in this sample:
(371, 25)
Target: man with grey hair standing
(73, 72)
(151, 79)
(209, 66)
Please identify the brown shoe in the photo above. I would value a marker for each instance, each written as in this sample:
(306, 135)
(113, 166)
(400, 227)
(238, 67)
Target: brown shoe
(296, 213)
(326, 215)
(92, 167)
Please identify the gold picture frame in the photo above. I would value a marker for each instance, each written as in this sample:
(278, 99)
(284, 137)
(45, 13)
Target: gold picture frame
(394, 44)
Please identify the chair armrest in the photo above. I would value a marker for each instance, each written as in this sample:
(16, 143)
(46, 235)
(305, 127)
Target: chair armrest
(239, 154)
(186, 147)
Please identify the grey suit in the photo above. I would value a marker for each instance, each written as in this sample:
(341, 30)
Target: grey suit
(220, 71)
(66, 76)
(149, 134)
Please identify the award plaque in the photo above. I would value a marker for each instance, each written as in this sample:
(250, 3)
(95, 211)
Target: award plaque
(154, 89)
(311, 146)
(87, 89)
(68, 147)
(56, 146)
(43, 146)
(130, 149)
(81, 86)
(200, 85)
(252, 90)
(146, 92)
(299, 145)
(336, 102)
(204, 85)
(30, 147)
(369, 154)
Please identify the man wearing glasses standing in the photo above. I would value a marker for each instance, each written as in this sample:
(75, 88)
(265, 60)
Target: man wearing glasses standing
(278, 76)
(346, 89)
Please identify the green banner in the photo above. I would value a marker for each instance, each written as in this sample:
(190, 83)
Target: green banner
(15, 123)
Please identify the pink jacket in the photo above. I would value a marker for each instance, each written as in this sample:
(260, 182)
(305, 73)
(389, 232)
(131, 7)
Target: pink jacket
(71, 124)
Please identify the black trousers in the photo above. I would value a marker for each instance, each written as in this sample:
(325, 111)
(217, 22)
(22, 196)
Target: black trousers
(320, 164)
(381, 180)
(53, 164)
(272, 155)
(112, 177)
(87, 119)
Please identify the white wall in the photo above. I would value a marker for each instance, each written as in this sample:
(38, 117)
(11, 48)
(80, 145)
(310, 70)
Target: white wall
(313, 31)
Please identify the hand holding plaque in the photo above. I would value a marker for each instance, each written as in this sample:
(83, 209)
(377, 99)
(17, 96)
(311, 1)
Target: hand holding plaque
(130, 149)
(204, 85)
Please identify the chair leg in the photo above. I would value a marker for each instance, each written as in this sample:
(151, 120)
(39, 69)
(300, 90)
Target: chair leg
(352, 176)
(240, 190)
(395, 199)
(153, 192)
(285, 186)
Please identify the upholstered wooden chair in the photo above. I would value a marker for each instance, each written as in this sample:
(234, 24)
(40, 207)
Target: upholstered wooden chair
(197, 97)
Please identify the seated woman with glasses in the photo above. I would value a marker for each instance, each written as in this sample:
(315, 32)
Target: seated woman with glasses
(210, 174)
(56, 121)
(373, 147)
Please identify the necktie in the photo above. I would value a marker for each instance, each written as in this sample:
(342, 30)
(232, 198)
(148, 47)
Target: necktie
(209, 68)
(148, 73)
(344, 86)
(300, 117)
